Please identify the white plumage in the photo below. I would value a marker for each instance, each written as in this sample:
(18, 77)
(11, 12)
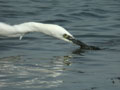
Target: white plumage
(19, 30)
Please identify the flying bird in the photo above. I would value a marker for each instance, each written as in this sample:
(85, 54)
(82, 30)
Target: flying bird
(54, 30)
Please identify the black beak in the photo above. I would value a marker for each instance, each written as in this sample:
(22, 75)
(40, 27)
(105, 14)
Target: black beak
(82, 45)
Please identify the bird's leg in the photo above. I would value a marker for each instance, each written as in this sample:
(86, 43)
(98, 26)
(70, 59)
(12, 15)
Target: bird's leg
(20, 38)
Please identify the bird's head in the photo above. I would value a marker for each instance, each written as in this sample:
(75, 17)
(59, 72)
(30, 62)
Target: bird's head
(57, 32)
(63, 34)
(67, 37)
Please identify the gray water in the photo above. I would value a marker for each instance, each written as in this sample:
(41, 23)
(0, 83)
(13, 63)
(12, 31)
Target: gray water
(40, 62)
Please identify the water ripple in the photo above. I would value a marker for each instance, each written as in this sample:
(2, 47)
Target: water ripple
(55, 21)
(88, 14)
(98, 36)
(40, 62)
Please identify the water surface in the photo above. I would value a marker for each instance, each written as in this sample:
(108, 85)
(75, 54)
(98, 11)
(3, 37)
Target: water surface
(40, 62)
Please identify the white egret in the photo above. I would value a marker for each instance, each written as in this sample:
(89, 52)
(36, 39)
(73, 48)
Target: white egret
(57, 31)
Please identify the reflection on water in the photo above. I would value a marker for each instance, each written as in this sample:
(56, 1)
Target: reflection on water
(78, 51)
(15, 72)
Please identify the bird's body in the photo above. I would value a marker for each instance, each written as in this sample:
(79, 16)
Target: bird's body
(19, 30)
(56, 31)
(7, 30)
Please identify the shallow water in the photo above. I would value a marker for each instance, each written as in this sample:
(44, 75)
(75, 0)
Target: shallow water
(40, 62)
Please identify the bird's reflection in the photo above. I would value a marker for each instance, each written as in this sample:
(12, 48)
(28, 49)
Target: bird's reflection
(20, 73)
(11, 58)
(78, 51)
(29, 75)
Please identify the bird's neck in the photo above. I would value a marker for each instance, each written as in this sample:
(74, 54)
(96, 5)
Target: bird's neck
(35, 27)
(29, 27)
(40, 27)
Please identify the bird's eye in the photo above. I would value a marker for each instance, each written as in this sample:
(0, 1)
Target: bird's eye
(65, 36)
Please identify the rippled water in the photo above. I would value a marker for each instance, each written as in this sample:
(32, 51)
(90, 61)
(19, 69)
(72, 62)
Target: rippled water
(40, 62)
